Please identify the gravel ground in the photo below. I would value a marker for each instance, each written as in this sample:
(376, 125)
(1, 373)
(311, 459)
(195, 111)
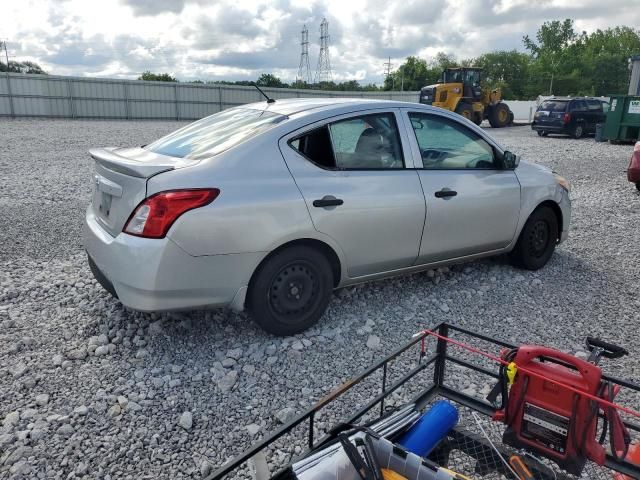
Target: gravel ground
(88, 389)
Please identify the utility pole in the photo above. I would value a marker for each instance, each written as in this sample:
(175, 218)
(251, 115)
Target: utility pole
(304, 71)
(323, 72)
(6, 54)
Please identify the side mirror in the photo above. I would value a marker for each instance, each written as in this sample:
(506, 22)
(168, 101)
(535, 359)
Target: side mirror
(510, 160)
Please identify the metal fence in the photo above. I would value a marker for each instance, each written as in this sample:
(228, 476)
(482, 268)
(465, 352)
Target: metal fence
(24, 95)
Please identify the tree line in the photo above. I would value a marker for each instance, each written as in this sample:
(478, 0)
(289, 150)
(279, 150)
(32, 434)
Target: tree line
(558, 60)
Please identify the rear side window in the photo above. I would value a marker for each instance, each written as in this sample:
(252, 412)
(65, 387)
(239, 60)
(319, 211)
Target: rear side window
(367, 142)
(579, 106)
(553, 106)
(594, 105)
(215, 134)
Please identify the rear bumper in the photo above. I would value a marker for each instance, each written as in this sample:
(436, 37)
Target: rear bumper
(157, 275)
(549, 128)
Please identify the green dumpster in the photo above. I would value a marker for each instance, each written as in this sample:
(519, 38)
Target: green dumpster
(623, 119)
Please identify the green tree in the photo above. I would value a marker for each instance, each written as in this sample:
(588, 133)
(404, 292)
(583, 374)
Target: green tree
(269, 80)
(156, 77)
(551, 48)
(603, 58)
(508, 70)
(22, 67)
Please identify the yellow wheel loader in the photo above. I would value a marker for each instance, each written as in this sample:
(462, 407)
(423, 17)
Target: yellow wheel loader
(459, 91)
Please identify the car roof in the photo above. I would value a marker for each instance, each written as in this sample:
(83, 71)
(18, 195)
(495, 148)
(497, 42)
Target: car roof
(292, 106)
(568, 99)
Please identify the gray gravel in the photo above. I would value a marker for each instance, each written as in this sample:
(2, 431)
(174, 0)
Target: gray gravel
(89, 389)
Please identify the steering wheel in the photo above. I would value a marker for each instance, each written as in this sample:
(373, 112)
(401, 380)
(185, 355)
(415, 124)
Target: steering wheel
(432, 156)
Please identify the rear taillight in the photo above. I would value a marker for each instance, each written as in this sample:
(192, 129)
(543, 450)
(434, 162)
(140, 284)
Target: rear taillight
(155, 215)
(566, 118)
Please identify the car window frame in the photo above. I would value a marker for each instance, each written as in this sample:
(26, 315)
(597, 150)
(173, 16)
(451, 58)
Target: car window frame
(497, 153)
(405, 146)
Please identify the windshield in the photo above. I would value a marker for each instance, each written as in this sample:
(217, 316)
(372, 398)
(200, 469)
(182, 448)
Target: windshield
(553, 106)
(215, 134)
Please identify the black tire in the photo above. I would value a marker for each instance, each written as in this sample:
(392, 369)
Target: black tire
(283, 309)
(499, 115)
(465, 110)
(578, 131)
(542, 133)
(537, 240)
(638, 185)
(511, 117)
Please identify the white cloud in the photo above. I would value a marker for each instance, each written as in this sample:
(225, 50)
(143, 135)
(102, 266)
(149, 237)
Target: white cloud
(239, 39)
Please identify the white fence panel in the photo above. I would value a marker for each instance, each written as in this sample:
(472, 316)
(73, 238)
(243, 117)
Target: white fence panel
(77, 97)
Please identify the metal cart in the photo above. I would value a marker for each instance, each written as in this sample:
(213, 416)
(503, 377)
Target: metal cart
(422, 371)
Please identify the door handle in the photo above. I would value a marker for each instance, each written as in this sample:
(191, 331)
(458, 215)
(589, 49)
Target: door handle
(445, 193)
(328, 201)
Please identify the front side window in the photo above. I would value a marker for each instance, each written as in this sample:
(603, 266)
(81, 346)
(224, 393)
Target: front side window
(214, 134)
(369, 142)
(446, 145)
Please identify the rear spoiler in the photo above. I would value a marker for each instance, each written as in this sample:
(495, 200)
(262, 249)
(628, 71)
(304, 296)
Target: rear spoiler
(137, 162)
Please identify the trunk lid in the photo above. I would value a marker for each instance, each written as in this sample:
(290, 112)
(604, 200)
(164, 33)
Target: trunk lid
(120, 182)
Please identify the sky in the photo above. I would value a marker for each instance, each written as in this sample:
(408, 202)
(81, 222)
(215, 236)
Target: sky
(240, 39)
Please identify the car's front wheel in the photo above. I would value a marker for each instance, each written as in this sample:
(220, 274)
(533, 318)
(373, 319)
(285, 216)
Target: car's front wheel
(542, 133)
(537, 240)
(290, 291)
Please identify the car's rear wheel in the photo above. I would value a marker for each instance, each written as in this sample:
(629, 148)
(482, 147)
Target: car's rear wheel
(578, 131)
(537, 240)
(290, 291)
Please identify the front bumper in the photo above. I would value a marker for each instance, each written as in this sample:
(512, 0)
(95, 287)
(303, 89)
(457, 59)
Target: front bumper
(157, 275)
(565, 208)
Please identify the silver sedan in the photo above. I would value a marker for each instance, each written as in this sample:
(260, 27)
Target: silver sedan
(271, 206)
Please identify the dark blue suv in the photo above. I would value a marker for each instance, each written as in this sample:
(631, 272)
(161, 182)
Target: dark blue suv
(569, 116)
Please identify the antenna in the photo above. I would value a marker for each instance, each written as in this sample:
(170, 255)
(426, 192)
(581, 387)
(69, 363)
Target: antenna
(304, 71)
(269, 100)
(323, 73)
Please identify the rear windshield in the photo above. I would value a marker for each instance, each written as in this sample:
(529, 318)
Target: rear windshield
(215, 134)
(553, 106)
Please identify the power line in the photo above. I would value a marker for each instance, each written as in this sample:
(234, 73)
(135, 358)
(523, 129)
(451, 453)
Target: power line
(323, 72)
(304, 71)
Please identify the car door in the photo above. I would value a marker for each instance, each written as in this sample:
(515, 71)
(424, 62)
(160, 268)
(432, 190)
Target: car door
(351, 173)
(473, 204)
(580, 115)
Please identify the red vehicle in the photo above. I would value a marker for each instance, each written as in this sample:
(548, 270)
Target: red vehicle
(633, 172)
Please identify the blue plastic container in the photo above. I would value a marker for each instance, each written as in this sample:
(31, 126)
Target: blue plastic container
(424, 435)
